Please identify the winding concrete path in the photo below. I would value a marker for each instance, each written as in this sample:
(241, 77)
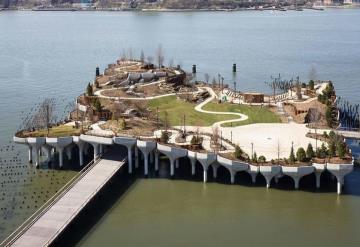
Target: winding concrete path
(242, 117)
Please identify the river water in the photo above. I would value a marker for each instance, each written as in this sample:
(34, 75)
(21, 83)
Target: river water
(54, 54)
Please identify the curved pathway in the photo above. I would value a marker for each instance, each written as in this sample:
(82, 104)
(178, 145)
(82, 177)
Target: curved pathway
(242, 117)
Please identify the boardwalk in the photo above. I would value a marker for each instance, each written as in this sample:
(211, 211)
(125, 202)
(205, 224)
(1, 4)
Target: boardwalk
(46, 228)
(349, 134)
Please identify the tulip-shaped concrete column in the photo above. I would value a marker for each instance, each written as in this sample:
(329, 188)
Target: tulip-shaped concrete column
(269, 172)
(60, 143)
(205, 159)
(253, 171)
(129, 143)
(21, 140)
(233, 166)
(319, 168)
(146, 147)
(296, 173)
(82, 149)
(339, 171)
(36, 143)
(156, 154)
(173, 153)
(48, 150)
(192, 157)
(96, 141)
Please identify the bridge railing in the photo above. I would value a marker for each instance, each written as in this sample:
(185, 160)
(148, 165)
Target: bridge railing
(15, 235)
(348, 129)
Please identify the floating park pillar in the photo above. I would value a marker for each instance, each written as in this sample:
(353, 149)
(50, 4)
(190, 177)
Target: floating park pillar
(60, 143)
(319, 168)
(129, 143)
(146, 147)
(296, 173)
(233, 166)
(20, 140)
(82, 149)
(194, 69)
(339, 171)
(192, 157)
(269, 172)
(96, 141)
(205, 159)
(234, 68)
(36, 143)
(173, 154)
(156, 153)
(97, 72)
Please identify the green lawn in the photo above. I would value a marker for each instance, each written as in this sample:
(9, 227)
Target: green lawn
(256, 114)
(57, 131)
(176, 109)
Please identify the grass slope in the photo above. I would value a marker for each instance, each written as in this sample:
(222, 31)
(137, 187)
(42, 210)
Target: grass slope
(176, 109)
(256, 114)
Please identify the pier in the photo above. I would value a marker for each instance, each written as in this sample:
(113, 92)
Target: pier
(48, 223)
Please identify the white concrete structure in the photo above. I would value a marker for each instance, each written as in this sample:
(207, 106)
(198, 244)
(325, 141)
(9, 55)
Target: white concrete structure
(233, 166)
(96, 142)
(269, 172)
(146, 147)
(206, 159)
(36, 143)
(319, 168)
(339, 171)
(129, 143)
(192, 157)
(20, 140)
(253, 171)
(297, 172)
(60, 143)
(82, 149)
(173, 153)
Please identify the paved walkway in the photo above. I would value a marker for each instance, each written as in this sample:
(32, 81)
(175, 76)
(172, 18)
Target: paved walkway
(242, 117)
(59, 215)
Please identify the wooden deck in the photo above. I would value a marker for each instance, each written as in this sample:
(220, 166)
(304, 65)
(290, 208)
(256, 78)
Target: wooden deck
(52, 222)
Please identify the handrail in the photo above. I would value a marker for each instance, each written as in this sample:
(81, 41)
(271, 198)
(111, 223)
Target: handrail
(47, 205)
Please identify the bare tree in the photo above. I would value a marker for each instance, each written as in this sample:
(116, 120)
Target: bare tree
(123, 55)
(215, 138)
(171, 62)
(142, 56)
(130, 53)
(160, 56)
(207, 77)
(45, 115)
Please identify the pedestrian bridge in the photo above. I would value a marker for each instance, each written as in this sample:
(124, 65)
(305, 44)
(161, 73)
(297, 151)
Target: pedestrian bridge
(349, 134)
(48, 222)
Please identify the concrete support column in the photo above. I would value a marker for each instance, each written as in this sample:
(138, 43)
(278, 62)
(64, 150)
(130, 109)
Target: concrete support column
(232, 174)
(48, 153)
(81, 156)
(156, 161)
(340, 182)
(296, 181)
(61, 157)
(253, 177)
(318, 177)
(214, 170)
(268, 181)
(172, 167)
(177, 163)
(30, 154)
(37, 156)
(96, 151)
(129, 159)
(136, 157)
(205, 175)
(101, 149)
(276, 179)
(146, 163)
(68, 152)
(193, 163)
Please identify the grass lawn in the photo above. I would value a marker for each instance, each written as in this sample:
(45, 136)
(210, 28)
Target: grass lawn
(256, 114)
(57, 131)
(176, 109)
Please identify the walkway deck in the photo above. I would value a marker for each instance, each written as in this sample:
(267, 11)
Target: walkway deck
(45, 230)
(349, 134)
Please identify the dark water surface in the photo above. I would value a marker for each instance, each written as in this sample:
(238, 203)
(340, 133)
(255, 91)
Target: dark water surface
(54, 54)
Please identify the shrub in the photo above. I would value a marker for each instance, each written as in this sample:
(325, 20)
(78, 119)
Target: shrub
(301, 155)
(292, 156)
(195, 140)
(238, 152)
(311, 85)
(262, 159)
(332, 148)
(272, 161)
(164, 137)
(321, 152)
(341, 150)
(332, 134)
(325, 135)
(328, 116)
(310, 151)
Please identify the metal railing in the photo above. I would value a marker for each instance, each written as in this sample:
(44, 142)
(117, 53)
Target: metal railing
(15, 235)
